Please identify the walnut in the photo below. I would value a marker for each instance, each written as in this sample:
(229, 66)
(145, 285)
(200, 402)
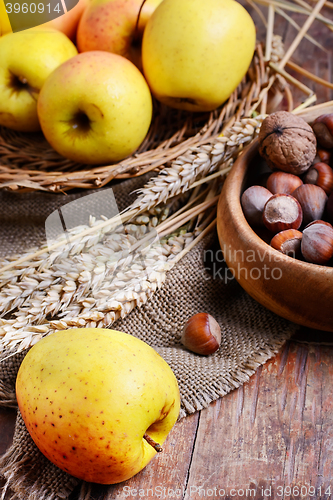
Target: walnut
(287, 142)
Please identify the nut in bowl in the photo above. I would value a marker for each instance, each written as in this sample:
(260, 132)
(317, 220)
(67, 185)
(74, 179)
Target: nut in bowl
(297, 290)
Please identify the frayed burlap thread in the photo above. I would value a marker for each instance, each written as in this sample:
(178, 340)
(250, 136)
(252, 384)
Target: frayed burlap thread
(9, 364)
(250, 336)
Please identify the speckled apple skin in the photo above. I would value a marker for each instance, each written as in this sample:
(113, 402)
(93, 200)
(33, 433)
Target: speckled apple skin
(87, 396)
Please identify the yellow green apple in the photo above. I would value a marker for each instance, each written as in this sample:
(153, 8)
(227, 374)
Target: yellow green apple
(27, 59)
(96, 108)
(196, 52)
(111, 25)
(93, 399)
(5, 26)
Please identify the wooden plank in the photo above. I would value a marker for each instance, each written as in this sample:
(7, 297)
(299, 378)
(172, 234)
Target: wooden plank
(272, 434)
(307, 55)
(312, 58)
(7, 424)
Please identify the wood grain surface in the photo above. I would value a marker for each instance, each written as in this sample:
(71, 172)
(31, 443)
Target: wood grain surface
(271, 438)
(274, 435)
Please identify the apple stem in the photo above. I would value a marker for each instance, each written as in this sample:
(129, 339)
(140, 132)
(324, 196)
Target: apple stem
(157, 447)
(136, 34)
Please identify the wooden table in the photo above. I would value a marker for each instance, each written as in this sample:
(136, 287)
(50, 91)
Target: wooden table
(272, 437)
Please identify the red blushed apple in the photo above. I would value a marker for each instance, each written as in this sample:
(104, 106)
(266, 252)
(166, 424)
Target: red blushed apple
(110, 25)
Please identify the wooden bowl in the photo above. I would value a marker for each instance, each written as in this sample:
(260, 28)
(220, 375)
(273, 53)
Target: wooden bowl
(298, 291)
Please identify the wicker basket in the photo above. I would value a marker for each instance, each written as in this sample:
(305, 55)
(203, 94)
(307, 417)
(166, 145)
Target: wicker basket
(29, 163)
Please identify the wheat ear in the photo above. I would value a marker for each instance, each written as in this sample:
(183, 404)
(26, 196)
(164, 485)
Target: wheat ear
(196, 164)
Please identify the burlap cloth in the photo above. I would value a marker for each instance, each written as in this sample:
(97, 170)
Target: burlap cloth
(250, 334)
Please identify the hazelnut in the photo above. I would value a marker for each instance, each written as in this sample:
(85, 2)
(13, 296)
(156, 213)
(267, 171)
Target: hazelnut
(282, 211)
(323, 129)
(202, 334)
(323, 155)
(319, 221)
(317, 243)
(287, 142)
(283, 183)
(288, 242)
(313, 200)
(253, 201)
(321, 175)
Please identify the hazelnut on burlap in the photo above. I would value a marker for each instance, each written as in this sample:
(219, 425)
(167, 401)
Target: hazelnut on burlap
(287, 142)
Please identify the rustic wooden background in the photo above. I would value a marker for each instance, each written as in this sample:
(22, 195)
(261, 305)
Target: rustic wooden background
(272, 437)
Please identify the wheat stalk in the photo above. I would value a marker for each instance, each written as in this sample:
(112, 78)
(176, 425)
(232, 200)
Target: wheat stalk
(172, 181)
(94, 283)
(295, 8)
(197, 163)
